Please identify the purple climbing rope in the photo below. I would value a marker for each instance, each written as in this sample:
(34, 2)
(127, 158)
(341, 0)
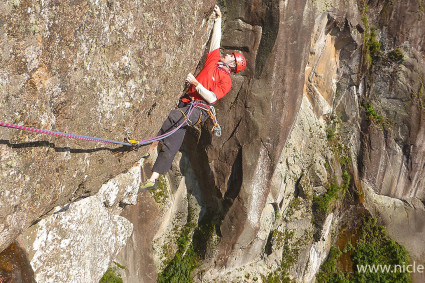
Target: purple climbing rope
(95, 139)
(59, 134)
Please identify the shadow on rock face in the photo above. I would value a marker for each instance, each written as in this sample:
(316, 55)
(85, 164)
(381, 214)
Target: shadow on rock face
(64, 149)
(14, 266)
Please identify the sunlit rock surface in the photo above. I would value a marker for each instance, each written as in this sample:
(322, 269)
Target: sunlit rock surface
(77, 242)
(97, 68)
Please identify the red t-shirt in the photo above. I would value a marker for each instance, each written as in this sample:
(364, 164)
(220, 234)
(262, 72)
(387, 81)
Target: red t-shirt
(212, 77)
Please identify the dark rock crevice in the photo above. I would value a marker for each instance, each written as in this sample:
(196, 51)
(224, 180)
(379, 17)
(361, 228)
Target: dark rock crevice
(234, 183)
(14, 265)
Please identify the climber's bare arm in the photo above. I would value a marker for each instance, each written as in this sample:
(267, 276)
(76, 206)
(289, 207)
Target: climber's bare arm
(216, 34)
(208, 95)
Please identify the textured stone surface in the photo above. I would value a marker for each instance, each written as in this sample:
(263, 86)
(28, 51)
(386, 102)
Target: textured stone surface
(66, 245)
(76, 243)
(98, 68)
(158, 219)
(14, 265)
(335, 81)
(286, 213)
(262, 108)
(405, 222)
(393, 158)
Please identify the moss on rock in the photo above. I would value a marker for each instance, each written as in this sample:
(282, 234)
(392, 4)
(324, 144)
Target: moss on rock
(374, 249)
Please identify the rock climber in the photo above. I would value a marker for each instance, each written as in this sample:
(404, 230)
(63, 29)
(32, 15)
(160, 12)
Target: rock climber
(211, 84)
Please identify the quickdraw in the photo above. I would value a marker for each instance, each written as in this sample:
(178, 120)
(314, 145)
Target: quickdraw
(216, 128)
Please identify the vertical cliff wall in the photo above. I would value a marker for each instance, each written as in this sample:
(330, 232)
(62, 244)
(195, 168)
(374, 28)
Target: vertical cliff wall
(365, 94)
(394, 153)
(270, 97)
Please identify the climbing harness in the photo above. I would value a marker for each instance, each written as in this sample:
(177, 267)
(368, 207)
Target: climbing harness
(187, 118)
(203, 105)
(128, 142)
(213, 116)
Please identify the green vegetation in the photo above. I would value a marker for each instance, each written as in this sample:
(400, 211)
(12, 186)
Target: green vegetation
(396, 55)
(281, 238)
(335, 190)
(324, 202)
(180, 268)
(419, 95)
(112, 274)
(421, 9)
(119, 265)
(179, 265)
(372, 115)
(289, 256)
(337, 145)
(110, 277)
(277, 276)
(348, 248)
(294, 206)
(373, 248)
(204, 235)
(192, 244)
(160, 195)
(372, 46)
(328, 271)
(185, 261)
(330, 134)
(290, 253)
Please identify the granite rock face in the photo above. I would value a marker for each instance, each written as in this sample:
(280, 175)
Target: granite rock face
(262, 107)
(97, 68)
(393, 155)
(375, 95)
(77, 242)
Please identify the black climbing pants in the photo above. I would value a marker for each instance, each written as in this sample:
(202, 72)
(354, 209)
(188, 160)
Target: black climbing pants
(171, 145)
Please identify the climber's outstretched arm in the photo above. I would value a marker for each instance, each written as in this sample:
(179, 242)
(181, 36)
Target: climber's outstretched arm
(208, 95)
(216, 34)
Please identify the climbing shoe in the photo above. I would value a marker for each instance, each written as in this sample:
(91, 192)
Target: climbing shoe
(148, 185)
